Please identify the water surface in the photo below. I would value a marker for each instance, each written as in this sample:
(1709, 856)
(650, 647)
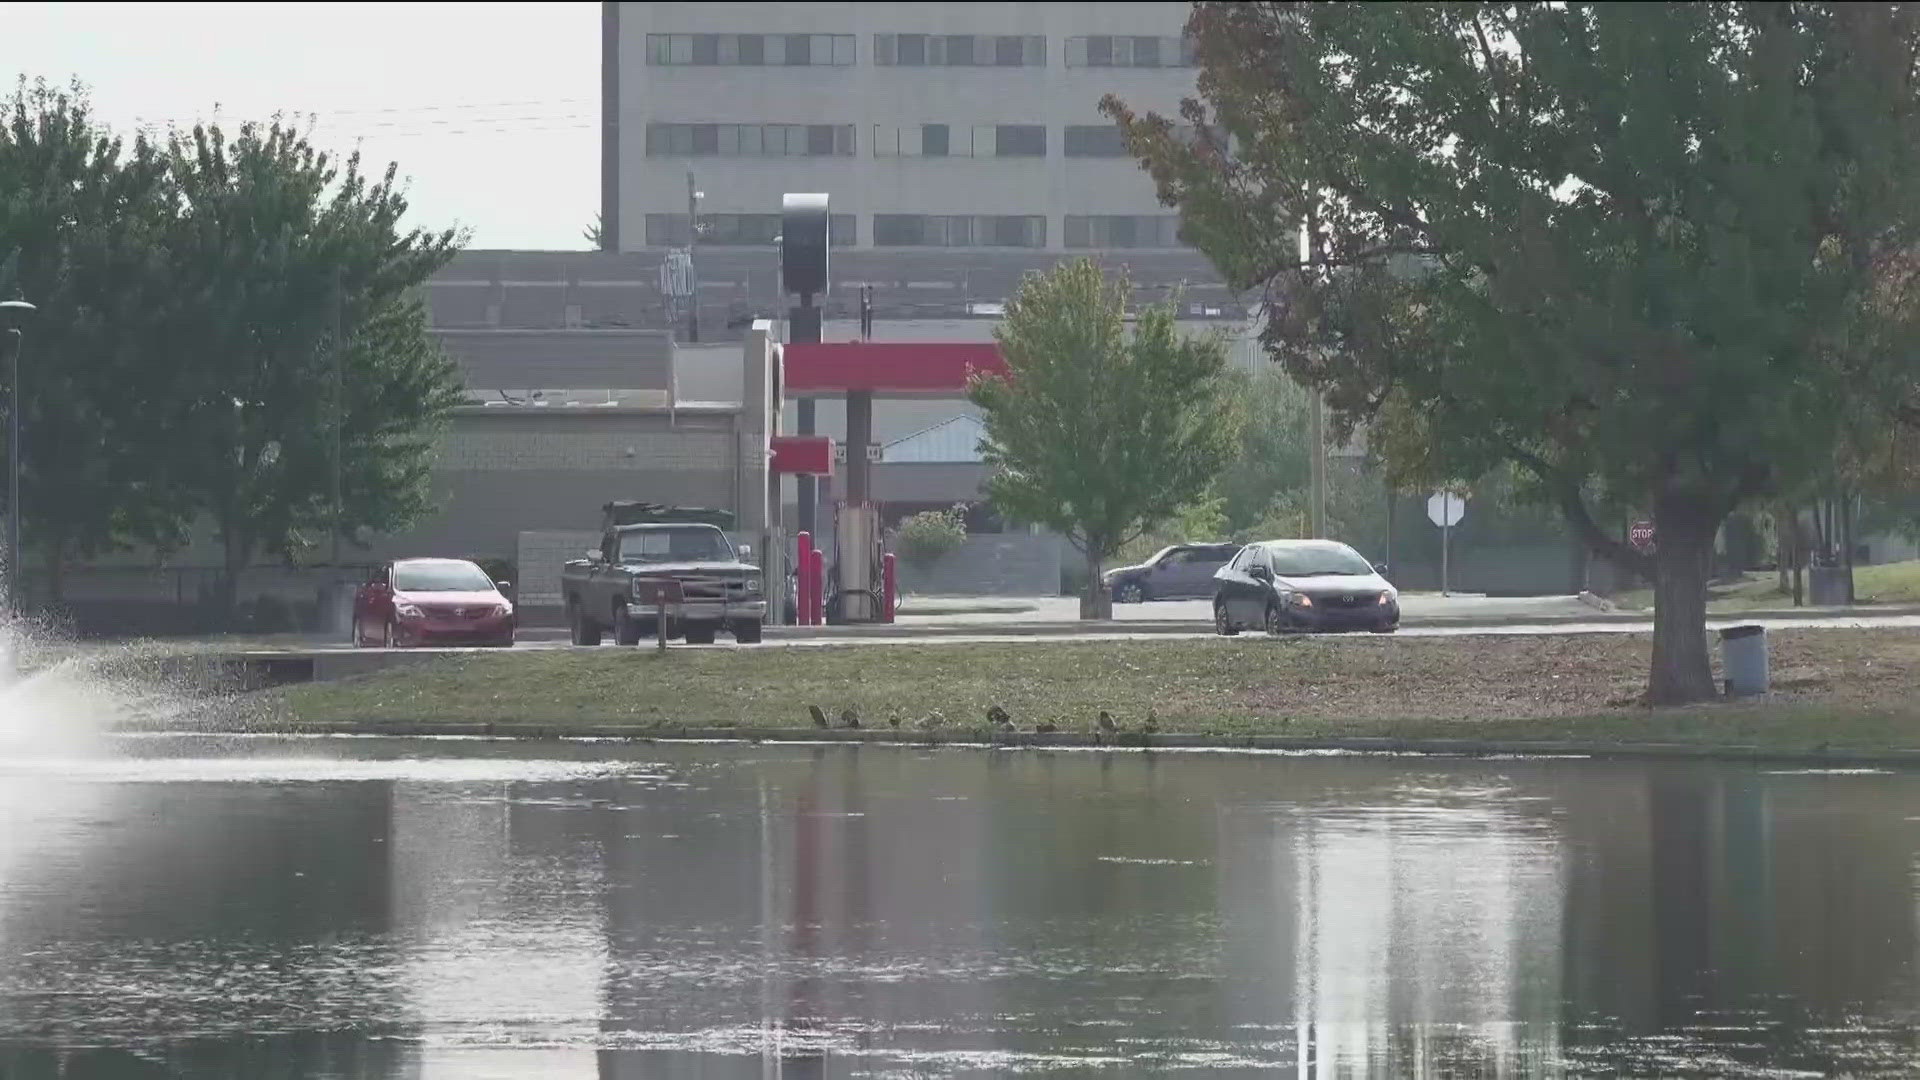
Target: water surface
(449, 908)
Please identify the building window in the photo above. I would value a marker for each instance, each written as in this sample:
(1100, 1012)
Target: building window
(750, 140)
(945, 140)
(1095, 140)
(1108, 50)
(1122, 231)
(959, 230)
(751, 50)
(738, 230)
(959, 50)
(1020, 140)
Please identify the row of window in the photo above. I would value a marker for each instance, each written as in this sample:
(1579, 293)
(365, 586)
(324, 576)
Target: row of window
(749, 140)
(915, 50)
(1093, 231)
(915, 140)
(751, 50)
(949, 140)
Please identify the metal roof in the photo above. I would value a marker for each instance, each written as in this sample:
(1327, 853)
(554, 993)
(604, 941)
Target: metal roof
(954, 440)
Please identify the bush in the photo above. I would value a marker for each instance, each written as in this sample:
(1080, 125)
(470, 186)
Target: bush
(926, 537)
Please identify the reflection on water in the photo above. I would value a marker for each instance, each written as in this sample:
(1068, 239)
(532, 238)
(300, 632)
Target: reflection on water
(362, 908)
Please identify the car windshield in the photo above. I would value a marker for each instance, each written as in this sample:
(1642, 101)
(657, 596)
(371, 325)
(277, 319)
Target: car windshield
(440, 577)
(1317, 561)
(694, 543)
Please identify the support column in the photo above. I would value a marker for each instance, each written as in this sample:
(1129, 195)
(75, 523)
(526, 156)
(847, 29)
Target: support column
(859, 434)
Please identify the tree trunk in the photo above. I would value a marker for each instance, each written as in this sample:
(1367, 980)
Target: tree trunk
(1846, 541)
(239, 552)
(1682, 672)
(1783, 550)
(1096, 602)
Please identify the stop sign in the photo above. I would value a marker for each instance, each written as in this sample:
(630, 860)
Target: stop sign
(1640, 535)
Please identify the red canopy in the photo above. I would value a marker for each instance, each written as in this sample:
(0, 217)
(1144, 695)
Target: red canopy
(887, 368)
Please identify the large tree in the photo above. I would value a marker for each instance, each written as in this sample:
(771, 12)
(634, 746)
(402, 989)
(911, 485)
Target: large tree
(300, 344)
(1639, 250)
(1099, 431)
(81, 218)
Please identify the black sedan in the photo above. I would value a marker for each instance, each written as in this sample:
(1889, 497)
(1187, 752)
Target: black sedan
(1285, 585)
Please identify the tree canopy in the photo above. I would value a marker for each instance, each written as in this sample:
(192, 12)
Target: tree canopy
(1099, 431)
(226, 324)
(1652, 253)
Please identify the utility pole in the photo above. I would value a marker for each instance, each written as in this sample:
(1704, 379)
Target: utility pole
(339, 401)
(1317, 501)
(693, 274)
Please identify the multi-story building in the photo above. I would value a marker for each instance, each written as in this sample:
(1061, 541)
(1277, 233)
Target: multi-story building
(961, 144)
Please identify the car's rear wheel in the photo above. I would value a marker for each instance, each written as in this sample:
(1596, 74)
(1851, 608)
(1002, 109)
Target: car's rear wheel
(747, 631)
(1222, 622)
(1276, 622)
(701, 633)
(625, 630)
(1129, 592)
(581, 630)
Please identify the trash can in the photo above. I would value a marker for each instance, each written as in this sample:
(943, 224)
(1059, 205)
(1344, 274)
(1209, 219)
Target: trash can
(1743, 659)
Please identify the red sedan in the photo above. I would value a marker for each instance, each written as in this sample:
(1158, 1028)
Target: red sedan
(431, 602)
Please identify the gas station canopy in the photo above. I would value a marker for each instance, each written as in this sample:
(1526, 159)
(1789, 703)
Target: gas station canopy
(886, 369)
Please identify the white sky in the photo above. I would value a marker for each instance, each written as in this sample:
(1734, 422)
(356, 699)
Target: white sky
(491, 110)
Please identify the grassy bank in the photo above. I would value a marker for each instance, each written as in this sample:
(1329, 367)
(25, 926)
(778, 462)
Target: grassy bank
(1888, 583)
(1842, 688)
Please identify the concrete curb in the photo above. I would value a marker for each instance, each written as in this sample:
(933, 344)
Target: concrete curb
(974, 739)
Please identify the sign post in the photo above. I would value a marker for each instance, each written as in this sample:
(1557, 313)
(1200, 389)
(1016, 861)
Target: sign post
(1445, 509)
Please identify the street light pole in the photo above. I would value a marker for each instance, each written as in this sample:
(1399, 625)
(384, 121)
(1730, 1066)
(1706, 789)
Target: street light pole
(13, 312)
(693, 273)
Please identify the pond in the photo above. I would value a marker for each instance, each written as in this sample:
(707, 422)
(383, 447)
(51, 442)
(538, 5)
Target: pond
(269, 906)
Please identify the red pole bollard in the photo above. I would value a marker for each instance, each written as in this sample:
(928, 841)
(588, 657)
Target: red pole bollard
(819, 583)
(889, 585)
(802, 575)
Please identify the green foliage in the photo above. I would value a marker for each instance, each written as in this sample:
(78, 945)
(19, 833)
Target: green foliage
(81, 216)
(1098, 433)
(1654, 253)
(212, 312)
(295, 313)
(1273, 453)
(926, 537)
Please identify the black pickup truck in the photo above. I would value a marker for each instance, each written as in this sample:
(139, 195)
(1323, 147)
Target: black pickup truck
(617, 585)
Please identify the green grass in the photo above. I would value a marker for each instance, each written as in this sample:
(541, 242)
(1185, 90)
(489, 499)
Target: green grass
(1839, 687)
(1887, 583)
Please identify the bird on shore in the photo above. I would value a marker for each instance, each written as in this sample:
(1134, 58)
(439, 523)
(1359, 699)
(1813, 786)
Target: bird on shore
(930, 721)
(1152, 723)
(1105, 723)
(998, 716)
(819, 715)
(1045, 727)
(850, 717)
(893, 719)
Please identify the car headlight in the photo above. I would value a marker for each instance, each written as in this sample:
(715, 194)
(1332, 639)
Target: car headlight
(503, 609)
(751, 583)
(1386, 598)
(407, 611)
(1301, 599)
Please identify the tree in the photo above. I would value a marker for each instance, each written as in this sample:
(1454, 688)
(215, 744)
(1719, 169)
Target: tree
(1097, 433)
(1653, 252)
(595, 234)
(81, 218)
(300, 344)
(926, 537)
